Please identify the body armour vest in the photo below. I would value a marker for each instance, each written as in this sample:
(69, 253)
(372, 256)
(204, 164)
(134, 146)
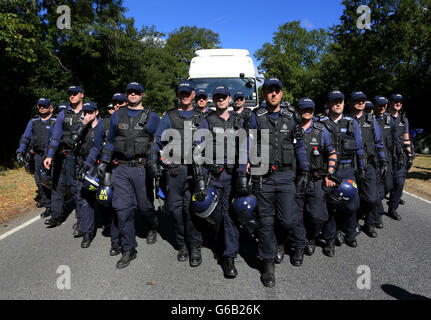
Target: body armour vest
(366, 123)
(313, 145)
(178, 122)
(400, 124)
(342, 136)
(223, 137)
(71, 120)
(106, 124)
(281, 149)
(86, 145)
(385, 125)
(245, 116)
(39, 133)
(132, 136)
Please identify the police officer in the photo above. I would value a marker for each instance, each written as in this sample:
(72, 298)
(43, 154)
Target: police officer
(239, 107)
(347, 141)
(62, 107)
(404, 157)
(389, 136)
(222, 169)
(179, 173)
(375, 161)
(36, 137)
(131, 130)
(275, 190)
(119, 100)
(201, 100)
(368, 107)
(88, 137)
(64, 166)
(322, 159)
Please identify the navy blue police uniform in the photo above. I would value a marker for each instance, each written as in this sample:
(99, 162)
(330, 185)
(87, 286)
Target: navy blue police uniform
(179, 178)
(401, 160)
(311, 201)
(34, 142)
(89, 146)
(347, 141)
(64, 168)
(275, 190)
(130, 132)
(375, 160)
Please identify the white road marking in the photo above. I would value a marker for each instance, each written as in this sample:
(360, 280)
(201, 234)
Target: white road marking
(417, 197)
(25, 224)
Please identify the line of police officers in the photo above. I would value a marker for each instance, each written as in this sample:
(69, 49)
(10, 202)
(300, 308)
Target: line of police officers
(325, 172)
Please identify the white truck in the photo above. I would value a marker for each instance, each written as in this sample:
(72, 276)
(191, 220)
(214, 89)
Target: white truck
(233, 68)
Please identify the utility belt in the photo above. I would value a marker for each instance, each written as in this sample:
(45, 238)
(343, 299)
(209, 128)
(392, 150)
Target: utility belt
(138, 162)
(276, 167)
(217, 169)
(38, 152)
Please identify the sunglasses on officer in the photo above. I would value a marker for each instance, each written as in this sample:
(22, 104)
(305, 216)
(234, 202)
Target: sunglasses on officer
(201, 97)
(219, 97)
(239, 98)
(41, 106)
(115, 102)
(136, 92)
(73, 93)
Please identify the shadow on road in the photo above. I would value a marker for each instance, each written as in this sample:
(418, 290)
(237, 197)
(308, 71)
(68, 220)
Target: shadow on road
(401, 294)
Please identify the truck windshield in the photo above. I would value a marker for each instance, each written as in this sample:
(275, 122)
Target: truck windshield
(234, 85)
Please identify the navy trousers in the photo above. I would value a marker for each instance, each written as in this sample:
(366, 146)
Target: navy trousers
(399, 180)
(44, 192)
(276, 199)
(132, 193)
(63, 177)
(342, 216)
(312, 207)
(178, 200)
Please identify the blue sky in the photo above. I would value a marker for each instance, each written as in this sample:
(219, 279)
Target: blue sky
(240, 24)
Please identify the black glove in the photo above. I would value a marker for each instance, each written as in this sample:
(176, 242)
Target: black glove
(400, 161)
(303, 180)
(20, 158)
(383, 168)
(80, 175)
(409, 162)
(200, 189)
(101, 169)
(242, 186)
(360, 175)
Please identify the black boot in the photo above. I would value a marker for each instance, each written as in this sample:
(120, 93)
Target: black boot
(126, 258)
(195, 257)
(280, 254)
(329, 249)
(182, 254)
(351, 242)
(53, 222)
(268, 274)
(151, 236)
(392, 213)
(297, 257)
(115, 249)
(370, 230)
(77, 233)
(228, 266)
(45, 214)
(310, 248)
(86, 239)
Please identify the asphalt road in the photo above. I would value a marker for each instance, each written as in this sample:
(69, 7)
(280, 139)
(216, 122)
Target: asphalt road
(399, 262)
